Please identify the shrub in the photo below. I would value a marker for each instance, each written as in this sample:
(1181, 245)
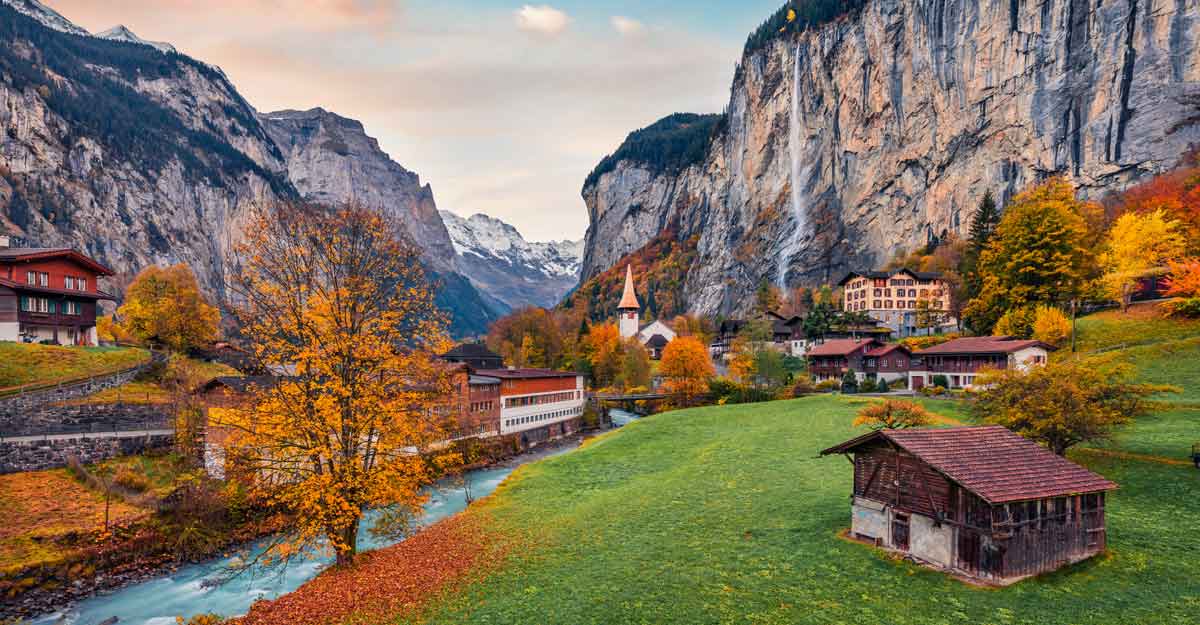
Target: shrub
(828, 385)
(1051, 325)
(803, 386)
(893, 414)
(933, 391)
(849, 382)
(1189, 307)
(940, 380)
(881, 385)
(867, 386)
(129, 479)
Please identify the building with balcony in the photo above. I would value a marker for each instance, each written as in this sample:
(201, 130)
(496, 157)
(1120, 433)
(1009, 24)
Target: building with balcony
(960, 360)
(909, 302)
(49, 295)
(538, 404)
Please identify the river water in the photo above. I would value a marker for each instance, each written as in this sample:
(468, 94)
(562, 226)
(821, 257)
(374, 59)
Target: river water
(192, 589)
(621, 418)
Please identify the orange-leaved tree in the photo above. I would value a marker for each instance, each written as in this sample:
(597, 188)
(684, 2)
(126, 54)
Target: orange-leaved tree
(604, 345)
(1183, 279)
(164, 305)
(1138, 245)
(686, 369)
(893, 414)
(339, 298)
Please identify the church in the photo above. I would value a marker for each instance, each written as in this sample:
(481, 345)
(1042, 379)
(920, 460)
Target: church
(654, 336)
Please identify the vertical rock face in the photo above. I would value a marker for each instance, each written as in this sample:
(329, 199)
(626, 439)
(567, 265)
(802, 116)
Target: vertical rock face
(882, 129)
(330, 159)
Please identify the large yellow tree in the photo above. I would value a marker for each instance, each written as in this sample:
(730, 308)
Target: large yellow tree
(686, 369)
(164, 305)
(1138, 244)
(339, 298)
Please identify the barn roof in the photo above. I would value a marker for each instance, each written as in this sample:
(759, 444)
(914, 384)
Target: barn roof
(990, 461)
(841, 347)
(887, 349)
(983, 345)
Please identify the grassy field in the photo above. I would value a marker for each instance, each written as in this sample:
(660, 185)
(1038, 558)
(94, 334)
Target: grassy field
(24, 364)
(726, 515)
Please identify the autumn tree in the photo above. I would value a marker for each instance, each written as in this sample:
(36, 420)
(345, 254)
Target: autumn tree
(893, 414)
(340, 297)
(690, 325)
(604, 344)
(1037, 255)
(531, 337)
(767, 298)
(635, 365)
(1137, 245)
(1062, 404)
(1183, 279)
(686, 369)
(1175, 193)
(1051, 325)
(164, 306)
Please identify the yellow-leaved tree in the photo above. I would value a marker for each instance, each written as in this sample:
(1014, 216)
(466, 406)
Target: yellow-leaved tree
(338, 297)
(164, 306)
(686, 369)
(1137, 245)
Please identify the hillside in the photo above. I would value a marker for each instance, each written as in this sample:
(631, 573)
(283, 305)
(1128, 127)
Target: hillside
(868, 127)
(26, 365)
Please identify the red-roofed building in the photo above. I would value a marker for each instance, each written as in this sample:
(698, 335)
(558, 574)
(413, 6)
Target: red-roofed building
(977, 501)
(867, 358)
(538, 404)
(49, 295)
(961, 359)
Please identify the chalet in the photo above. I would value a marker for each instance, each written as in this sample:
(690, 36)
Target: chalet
(981, 502)
(867, 358)
(894, 298)
(889, 362)
(961, 359)
(49, 295)
(474, 355)
(538, 404)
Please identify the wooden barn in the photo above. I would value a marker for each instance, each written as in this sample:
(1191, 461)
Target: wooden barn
(981, 502)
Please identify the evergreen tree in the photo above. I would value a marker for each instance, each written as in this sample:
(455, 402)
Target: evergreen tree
(983, 226)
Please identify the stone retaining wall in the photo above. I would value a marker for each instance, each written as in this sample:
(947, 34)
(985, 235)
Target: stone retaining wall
(53, 453)
(86, 418)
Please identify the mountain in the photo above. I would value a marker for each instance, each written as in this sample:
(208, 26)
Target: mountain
(871, 126)
(502, 264)
(138, 157)
(121, 33)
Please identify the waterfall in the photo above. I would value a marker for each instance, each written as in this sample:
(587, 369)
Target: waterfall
(799, 174)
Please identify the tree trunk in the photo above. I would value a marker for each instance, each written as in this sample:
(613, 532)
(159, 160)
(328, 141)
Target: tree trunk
(349, 540)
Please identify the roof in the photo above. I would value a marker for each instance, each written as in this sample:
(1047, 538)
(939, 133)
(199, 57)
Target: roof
(887, 349)
(883, 275)
(471, 350)
(17, 285)
(840, 347)
(481, 380)
(629, 297)
(657, 340)
(983, 345)
(13, 254)
(241, 384)
(527, 374)
(990, 461)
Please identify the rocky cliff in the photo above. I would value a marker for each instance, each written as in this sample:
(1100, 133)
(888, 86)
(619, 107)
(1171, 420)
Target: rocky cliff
(135, 154)
(880, 129)
(502, 264)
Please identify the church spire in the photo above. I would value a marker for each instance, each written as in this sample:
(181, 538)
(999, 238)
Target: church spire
(629, 300)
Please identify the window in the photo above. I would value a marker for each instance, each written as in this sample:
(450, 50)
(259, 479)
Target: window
(81, 284)
(887, 303)
(877, 304)
(37, 305)
(878, 292)
(37, 278)
(69, 282)
(72, 308)
(912, 292)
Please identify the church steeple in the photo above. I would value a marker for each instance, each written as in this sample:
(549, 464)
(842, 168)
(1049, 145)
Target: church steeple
(627, 310)
(629, 300)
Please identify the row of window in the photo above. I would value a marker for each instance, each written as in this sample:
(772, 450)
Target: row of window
(537, 418)
(43, 305)
(42, 279)
(538, 400)
(483, 406)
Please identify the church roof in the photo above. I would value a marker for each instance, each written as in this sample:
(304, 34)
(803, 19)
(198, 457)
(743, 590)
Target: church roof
(629, 298)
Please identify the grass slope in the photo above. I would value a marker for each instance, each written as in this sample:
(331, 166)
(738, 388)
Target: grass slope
(25, 364)
(726, 515)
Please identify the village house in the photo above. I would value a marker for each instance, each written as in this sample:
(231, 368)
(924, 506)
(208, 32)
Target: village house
(866, 358)
(981, 502)
(49, 295)
(961, 359)
(894, 299)
(538, 404)
(474, 355)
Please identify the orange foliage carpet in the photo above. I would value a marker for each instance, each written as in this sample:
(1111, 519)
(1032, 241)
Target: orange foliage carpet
(392, 581)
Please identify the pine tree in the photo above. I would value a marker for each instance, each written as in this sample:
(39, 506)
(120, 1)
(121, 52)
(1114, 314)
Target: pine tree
(983, 226)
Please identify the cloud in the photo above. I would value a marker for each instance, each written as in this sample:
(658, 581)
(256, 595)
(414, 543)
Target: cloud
(627, 26)
(543, 19)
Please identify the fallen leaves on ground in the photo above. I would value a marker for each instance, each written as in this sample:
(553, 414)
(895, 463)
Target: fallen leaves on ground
(392, 581)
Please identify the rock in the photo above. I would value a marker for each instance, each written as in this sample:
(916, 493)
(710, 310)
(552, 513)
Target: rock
(882, 129)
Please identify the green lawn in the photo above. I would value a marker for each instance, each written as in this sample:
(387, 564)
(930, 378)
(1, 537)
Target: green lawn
(25, 364)
(726, 515)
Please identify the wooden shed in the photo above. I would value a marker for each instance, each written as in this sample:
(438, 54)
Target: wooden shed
(981, 502)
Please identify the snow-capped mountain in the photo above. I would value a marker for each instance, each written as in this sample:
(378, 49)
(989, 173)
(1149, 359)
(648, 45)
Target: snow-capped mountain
(47, 16)
(121, 33)
(501, 263)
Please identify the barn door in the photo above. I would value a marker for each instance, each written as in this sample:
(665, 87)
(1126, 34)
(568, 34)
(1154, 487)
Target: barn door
(900, 532)
(968, 550)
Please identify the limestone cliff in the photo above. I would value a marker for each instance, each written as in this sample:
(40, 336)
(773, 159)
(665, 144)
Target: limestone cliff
(880, 129)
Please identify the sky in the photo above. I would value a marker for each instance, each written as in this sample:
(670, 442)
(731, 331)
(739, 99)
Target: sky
(504, 107)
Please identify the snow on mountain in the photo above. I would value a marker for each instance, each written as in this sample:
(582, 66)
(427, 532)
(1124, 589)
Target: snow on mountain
(500, 262)
(121, 33)
(47, 16)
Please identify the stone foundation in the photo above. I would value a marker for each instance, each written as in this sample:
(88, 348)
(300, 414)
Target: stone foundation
(53, 452)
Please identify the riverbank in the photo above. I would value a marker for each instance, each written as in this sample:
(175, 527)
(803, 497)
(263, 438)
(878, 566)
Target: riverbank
(187, 589)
